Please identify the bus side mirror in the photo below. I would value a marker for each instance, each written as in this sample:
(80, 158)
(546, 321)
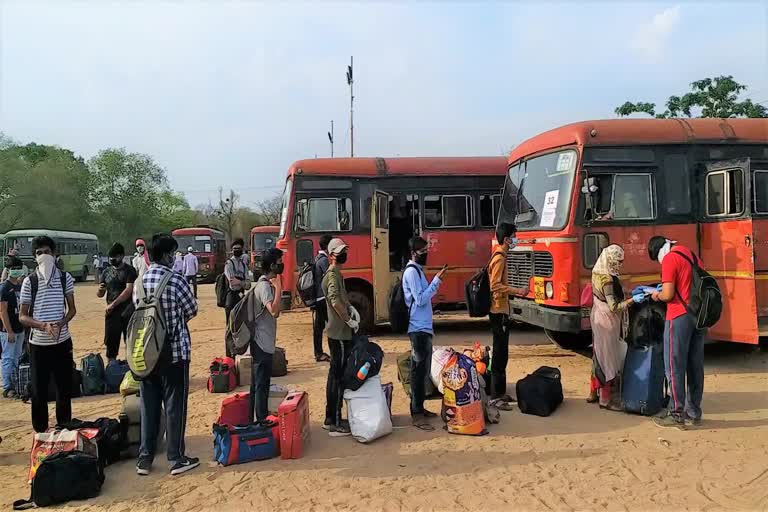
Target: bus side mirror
(589, 189)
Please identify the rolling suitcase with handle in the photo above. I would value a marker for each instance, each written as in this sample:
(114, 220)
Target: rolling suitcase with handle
(643, 380)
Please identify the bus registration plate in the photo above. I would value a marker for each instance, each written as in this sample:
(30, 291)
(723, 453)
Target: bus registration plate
(538, 290)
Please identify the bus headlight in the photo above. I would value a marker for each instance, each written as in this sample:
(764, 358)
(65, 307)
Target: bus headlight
(549, 289)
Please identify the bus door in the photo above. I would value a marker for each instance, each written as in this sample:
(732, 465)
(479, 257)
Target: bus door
(380, 255)
(727, 248)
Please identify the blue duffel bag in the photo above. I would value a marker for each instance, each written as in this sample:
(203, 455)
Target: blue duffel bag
(244, 443)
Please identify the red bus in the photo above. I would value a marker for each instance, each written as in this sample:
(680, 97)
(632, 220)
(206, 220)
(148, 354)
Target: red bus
(376, 205)
(262, 239)
(575, 189)
(209, 246)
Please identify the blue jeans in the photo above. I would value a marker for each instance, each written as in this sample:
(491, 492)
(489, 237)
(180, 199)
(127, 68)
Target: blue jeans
(421, 363)
(168, 387)
(10, 358)
(684, 366)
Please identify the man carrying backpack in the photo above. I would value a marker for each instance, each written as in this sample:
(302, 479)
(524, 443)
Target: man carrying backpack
(683, 342)
(418, 298)
(168, 385)
(236, 272)
(47, 307)
(319, 311)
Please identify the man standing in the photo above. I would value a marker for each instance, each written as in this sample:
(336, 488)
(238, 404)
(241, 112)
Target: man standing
(116, 283)
(47, 307)
(141, 260)
(191, 268)
(97, 267)
(343, 320)
(268, 290)
(683, 342)
(11, 330)
(178, 263)
(167, 388)
(499, 316)
(236, 272)
(319, 311)
(418, 298)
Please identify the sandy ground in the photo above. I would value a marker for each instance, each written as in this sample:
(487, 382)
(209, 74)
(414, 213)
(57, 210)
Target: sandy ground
(581, 458)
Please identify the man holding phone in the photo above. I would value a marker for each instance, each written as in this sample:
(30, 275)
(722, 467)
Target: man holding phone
(418, 298)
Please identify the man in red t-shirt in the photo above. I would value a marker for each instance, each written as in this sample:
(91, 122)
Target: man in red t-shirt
(683, 343)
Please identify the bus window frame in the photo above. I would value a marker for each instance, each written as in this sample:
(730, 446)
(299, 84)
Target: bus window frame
(470, 211)
(653, 197)
(726, 194)
(494, 214)
(755, 172)
(300, 230)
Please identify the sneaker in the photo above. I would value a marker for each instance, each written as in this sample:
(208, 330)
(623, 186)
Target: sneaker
(696, 422)
(185, 464)
(669, 421)
(143, 467)
(339, 431)
(327, 425)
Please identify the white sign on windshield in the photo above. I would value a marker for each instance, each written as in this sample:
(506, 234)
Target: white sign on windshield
(207, 247)
(565, 161)
(202, 238)
(549, 211)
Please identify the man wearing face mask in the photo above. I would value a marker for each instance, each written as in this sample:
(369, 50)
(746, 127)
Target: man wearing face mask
(141, 260)
(683, 342)
(268, 290)
(47, 307)
(116, 283)
(418, 298)
(236, 272)
(11, 330)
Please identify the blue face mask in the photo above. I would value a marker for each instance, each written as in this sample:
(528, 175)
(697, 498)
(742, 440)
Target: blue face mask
(16, 273)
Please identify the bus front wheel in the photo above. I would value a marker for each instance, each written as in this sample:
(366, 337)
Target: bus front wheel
(569, 340)
(364, 305)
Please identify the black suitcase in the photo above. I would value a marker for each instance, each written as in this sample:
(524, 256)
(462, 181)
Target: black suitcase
(540, 392)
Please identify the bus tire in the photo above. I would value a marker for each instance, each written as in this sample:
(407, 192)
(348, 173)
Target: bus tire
(82, 277)
(569, 340)
(363, 303)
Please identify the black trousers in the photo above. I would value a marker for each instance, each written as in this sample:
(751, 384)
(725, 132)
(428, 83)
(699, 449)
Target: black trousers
(500, 330)
(115, 328)
(46, 362)
(334, 388)
(232, 299)
(192, 280)
(261, 376)
(319, 319)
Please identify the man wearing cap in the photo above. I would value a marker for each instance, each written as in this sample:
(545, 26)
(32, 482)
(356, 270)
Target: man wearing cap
(191, 268)
(343, 321)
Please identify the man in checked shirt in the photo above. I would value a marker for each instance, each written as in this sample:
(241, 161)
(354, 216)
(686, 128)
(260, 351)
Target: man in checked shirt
(167, 386)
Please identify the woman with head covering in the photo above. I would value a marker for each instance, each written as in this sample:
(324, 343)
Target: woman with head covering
(141, 261)
(609, 318)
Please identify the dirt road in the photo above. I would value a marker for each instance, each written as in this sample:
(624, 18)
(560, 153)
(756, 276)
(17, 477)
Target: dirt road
(581, 458)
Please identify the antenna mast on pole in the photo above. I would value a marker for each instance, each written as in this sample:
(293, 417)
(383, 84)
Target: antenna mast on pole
(351, 81)
(330, 137)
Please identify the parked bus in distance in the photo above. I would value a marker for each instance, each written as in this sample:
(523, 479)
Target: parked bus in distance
(209, 246)
(76, 250)
(576, 189)
(376, 205)
(263, 238)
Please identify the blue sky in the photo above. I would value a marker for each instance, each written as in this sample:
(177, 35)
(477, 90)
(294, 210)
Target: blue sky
(230, 93)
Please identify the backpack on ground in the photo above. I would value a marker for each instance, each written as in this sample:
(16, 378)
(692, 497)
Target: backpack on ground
(114, 375)
(94, 375)
(477, 292)
(364, 353)
(222, 290)
(279, 363)
(541, 392)
(404, 376)
(223, 377)
(305, 284)
(399, 311)
(146, 346)
(21, 379)
(705, 301)
(111, 440)
(62, 477)
(242, 323)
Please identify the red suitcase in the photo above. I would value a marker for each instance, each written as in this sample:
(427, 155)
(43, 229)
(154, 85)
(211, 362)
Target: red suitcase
(293, 416)
(234, 410)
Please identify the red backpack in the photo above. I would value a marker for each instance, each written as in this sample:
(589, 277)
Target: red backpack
(223, 377)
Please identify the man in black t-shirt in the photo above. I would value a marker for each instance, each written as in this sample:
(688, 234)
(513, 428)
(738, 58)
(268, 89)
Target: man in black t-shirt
(116, 283)
(11, 330)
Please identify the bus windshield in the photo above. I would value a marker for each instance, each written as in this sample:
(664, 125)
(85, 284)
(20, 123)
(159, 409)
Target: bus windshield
(284, 211)
(199, 243)
(544, 195)
(261, 242)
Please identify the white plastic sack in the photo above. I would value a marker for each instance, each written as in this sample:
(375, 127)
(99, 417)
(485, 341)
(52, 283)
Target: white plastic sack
(367, 411)
(440, 356)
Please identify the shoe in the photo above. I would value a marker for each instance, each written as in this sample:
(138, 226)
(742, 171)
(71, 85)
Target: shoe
(339, 431)
(185, 464)
(696, 422)
(592, 398)
(669, 421)
(143, 467)
(327, 425)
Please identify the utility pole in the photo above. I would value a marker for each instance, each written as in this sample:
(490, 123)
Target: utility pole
(330, 137)
(351, 82)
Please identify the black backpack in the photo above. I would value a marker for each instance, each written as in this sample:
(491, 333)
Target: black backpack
(363, 351)
(222, 289)
(111, 441)
(705, 300)
(62, 477)
(399, 311)
(478, 292)
(540, 392)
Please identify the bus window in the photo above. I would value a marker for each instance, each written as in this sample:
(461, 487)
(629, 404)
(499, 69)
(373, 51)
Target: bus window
(677, 195)
(324, 214)
(725, 193)
(625, 197)
(452, 211)
(594, 243)
(489, 209)
(761, 191)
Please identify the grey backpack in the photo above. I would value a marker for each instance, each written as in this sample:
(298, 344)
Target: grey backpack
(146, 346)
(242, 322)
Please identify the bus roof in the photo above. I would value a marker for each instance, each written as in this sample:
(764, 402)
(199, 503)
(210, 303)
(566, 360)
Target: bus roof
(51, 233)
(265, 229)
(198, 230)
(415, 166)
(616, 132)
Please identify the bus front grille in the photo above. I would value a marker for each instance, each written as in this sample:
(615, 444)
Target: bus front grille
(522, 265)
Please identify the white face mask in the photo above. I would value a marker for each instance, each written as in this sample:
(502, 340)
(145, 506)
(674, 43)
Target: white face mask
(45, 265)
(665, 249)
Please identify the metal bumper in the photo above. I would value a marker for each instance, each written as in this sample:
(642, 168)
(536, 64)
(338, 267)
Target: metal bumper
(560, 320)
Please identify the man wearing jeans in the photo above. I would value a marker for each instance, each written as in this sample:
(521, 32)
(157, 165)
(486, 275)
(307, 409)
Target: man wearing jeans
(168, 385)
(418, 298)
(11, 330)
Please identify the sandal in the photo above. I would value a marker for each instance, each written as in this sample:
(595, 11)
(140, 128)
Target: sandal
(501, 404)
(421, 423)
(325, 358)
(509, 399)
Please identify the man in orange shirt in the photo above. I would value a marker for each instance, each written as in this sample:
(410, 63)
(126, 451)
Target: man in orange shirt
(499, 315)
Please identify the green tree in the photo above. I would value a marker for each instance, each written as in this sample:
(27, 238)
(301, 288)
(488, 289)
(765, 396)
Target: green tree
(711, 97)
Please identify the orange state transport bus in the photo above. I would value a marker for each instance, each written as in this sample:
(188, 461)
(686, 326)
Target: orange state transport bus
(209, 246)
(263, 238)
(376, 205)
(578, 188)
